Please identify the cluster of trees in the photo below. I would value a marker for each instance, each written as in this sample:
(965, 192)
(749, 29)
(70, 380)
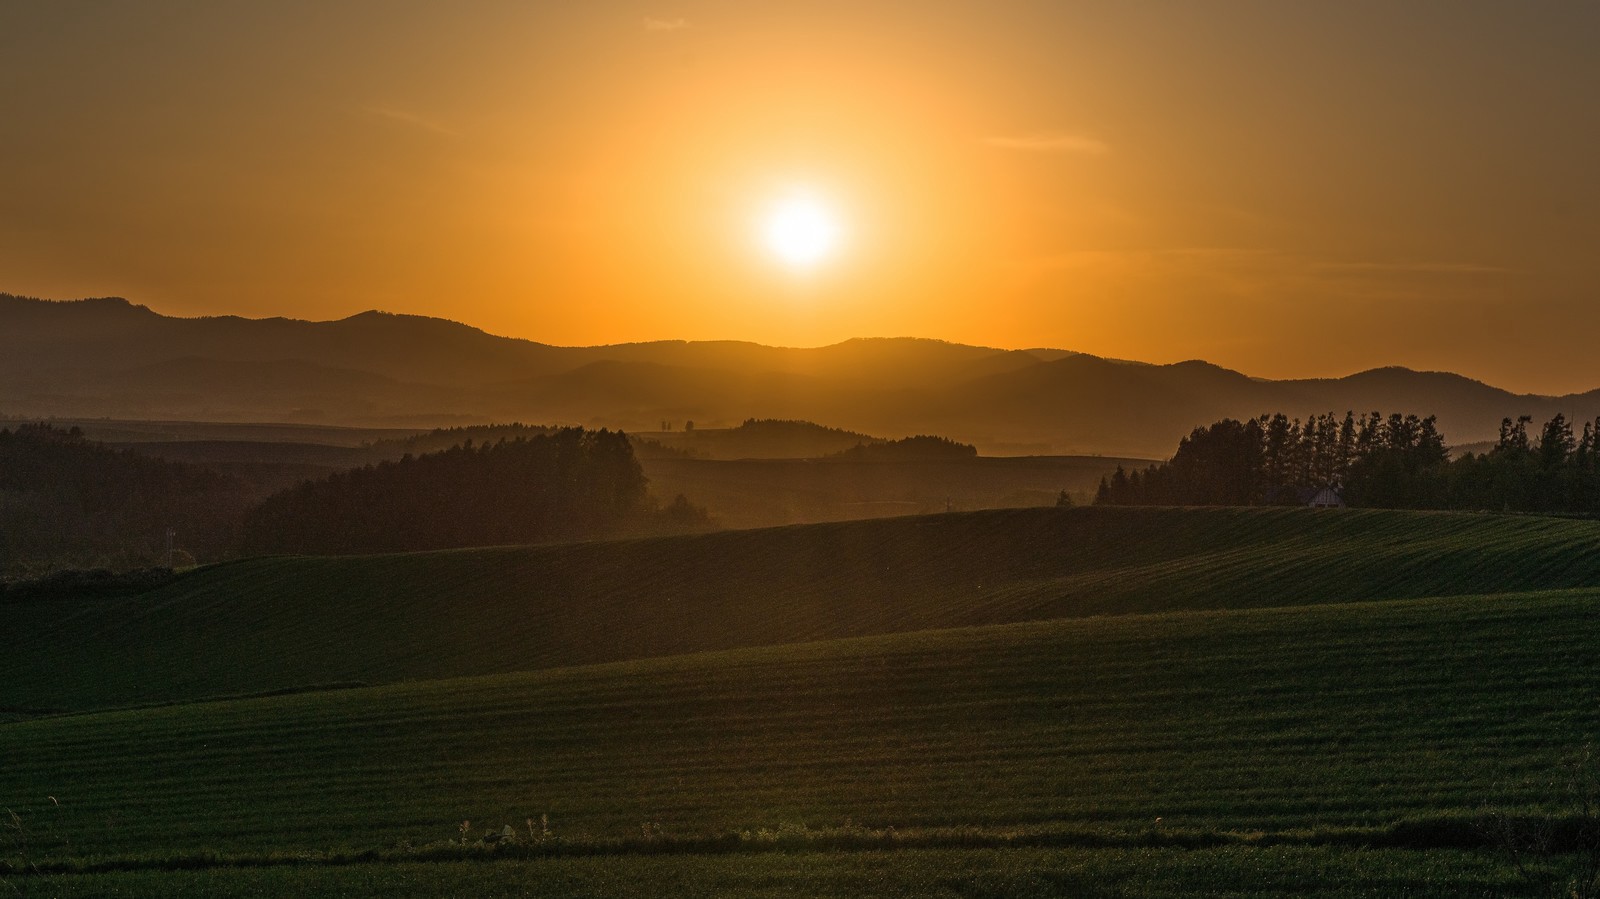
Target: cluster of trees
(649, 448)
(1558, 473)
(444, 438)
(920, 447)
(765, 438)
(69, 501)
(440, 439)
(1398, 462)
(567, 484)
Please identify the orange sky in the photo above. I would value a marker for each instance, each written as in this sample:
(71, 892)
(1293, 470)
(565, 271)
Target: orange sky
(1285, 189)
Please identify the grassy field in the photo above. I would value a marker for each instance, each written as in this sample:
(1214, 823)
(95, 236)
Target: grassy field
(1287, 703)
(907, 874)
(292, 623)
(1392, 723)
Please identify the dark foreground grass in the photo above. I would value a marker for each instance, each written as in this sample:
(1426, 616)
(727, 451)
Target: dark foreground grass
(940, 874)
(288, 623)
(1402, 718)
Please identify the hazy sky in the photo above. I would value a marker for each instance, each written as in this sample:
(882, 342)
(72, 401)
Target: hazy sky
(1290, 189)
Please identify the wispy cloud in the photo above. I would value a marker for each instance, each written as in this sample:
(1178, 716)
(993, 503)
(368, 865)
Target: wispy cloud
(1287, 263)
(1152, 258)
(1050, 142)
(406, 117)
(1272, 278)
(650, 23)
(1412, 268)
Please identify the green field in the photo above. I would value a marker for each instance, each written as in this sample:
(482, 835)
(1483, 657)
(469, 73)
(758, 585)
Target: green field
(905, 873)
(289, 623)
(1244, 726)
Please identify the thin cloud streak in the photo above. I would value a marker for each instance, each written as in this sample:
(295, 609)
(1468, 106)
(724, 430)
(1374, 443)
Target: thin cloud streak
(1052, 142)
(1419, 268)
(653, 24)
(1277, 259)
(411, 119)
(1082, 258)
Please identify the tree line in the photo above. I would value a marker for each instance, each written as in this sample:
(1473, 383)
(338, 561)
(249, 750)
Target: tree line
(565, 484)
(69, 502)
(1374, 461)
(921, 447)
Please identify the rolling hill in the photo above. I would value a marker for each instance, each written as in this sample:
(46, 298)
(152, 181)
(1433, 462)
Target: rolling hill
(1097, 702)
(108, 357)
(1331, 729)
(288, 623)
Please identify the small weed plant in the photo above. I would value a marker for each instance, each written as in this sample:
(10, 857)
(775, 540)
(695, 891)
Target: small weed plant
(1558, 851)
(15, 856)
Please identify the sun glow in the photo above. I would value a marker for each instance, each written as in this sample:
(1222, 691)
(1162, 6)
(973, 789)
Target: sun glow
(801, 231)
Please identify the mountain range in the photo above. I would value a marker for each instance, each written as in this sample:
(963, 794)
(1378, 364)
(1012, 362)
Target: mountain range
(112, 358)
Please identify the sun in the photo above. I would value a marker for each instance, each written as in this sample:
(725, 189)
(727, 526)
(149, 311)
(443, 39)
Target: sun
(801, 231)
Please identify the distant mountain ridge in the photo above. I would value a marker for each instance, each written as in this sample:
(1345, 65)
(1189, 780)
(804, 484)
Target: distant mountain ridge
(112, 358)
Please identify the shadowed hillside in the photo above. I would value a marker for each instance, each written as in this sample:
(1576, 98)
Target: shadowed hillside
(766, 492)
(763, 439)
(275, 623)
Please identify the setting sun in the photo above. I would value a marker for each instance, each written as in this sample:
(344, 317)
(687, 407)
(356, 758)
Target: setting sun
(801, 231)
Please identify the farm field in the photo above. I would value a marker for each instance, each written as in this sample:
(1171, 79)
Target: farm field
(1098, 702)
(941, 874)
(295, 623)
(1388, 724)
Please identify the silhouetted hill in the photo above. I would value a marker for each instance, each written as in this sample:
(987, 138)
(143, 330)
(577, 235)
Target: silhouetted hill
(1450, 396)
(766, 438)
(922, 447)
(634, 392)
(108, 357)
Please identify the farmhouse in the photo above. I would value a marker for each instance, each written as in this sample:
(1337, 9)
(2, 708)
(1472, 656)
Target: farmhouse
(1326, 498)
(1315, 497)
